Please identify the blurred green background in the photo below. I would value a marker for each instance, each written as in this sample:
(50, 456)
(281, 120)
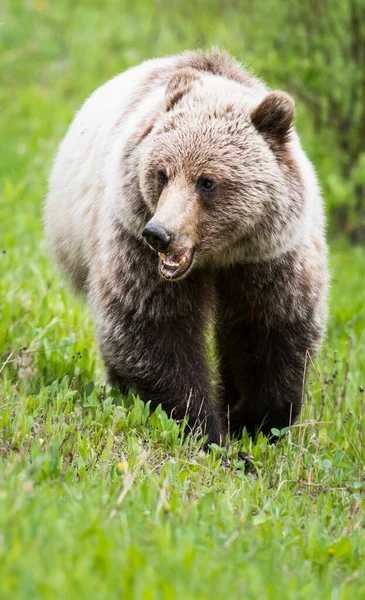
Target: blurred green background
(54, 53)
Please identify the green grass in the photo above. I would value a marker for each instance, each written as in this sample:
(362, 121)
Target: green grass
(97, 498)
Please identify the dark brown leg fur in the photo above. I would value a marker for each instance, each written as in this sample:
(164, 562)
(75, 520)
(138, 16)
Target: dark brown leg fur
(264, 355)
(152, 338)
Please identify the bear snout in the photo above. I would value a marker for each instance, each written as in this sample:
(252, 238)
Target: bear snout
(157, 237)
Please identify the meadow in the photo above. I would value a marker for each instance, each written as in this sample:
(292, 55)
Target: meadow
(98, 497)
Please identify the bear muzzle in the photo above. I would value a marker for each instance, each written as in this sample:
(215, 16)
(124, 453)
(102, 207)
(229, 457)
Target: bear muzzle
(174, 262)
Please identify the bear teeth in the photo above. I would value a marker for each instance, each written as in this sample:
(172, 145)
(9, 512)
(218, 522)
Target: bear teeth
(169, 263)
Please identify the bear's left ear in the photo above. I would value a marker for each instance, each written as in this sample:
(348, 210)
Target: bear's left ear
(179, 84)
(273, 118)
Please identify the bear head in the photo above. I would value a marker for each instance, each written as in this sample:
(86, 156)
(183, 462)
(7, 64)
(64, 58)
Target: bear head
(218, 175)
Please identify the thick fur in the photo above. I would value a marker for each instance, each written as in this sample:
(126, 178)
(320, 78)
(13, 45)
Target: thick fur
(259, 268)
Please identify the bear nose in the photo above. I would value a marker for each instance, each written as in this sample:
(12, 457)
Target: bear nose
(157, 237)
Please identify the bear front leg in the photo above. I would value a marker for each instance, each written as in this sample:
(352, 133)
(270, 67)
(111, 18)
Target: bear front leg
(152, 337)
(165, 363)
(264, 374)
(268, 329)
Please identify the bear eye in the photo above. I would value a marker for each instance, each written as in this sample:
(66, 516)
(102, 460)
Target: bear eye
(205, 184)
(161, 178)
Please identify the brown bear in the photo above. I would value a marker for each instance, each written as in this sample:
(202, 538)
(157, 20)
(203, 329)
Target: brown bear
(181, 198)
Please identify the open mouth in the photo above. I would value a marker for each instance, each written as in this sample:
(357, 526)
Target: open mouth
(175, 266)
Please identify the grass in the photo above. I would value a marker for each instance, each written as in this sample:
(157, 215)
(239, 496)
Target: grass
(99, 499)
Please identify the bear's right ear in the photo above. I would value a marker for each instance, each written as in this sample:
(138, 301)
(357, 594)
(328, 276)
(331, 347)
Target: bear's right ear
(273, 117)
(180, 83)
